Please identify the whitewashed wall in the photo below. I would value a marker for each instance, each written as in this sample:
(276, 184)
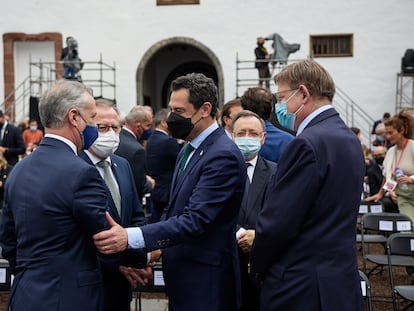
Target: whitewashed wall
(124, 30)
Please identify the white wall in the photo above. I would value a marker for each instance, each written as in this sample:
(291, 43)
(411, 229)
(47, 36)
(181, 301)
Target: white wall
(124, 30)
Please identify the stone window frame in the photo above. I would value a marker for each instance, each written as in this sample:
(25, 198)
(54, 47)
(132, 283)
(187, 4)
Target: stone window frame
(331, 45)
(177, 2)
(8, 57)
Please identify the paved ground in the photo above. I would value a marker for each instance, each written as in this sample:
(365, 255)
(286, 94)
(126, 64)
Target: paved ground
(150, 302)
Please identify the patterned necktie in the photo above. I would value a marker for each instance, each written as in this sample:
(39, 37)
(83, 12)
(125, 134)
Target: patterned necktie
(187, 151)
(111, 184)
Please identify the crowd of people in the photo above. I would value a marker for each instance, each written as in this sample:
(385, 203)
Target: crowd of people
(240, 206)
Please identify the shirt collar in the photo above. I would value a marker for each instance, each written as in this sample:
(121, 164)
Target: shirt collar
(95, 159)
(196, 142)
(65, 140)
(129, 131)
(162, 131)
(253, 161)
(311, 116)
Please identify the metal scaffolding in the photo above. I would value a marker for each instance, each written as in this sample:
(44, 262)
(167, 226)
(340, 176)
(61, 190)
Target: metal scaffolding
(97, 75)
(405, 91)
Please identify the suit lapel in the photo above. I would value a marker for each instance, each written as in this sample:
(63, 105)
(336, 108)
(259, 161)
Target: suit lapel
(196, 157)
(114, 168)
(260, 179)
(111, 204)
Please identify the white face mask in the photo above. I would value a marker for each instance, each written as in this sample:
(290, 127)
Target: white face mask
(106, 144)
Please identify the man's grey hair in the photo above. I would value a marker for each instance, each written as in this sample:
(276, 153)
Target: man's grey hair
(56, 102)
(102, 102)
(161, 114)
(136, 114)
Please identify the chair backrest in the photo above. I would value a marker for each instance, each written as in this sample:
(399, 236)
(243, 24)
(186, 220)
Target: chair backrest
(401, 244)
(366, 290)
(400, 252)
(387, 222)
(368, 207)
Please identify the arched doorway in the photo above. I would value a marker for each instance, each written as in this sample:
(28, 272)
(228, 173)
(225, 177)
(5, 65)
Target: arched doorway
(168, 59)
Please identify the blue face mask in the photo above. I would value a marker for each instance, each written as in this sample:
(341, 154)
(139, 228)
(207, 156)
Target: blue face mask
(88, 135)
(286, 118)
(249, 146)
(146, 134)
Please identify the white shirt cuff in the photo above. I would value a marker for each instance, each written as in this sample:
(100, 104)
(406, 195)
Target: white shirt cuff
(135, 238)
(239, 232)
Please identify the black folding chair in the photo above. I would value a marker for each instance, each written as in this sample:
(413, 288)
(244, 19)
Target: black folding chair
(365, 208)
(366, 290)
(376, 228)
(400, 251)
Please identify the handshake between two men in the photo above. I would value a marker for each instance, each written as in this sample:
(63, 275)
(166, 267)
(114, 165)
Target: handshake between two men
(115, 240)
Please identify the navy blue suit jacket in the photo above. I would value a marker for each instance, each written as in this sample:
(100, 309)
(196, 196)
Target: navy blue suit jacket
(54, 203)
(162, 151)
(13, 140)
(132, 150)
(200, 259)
(117, 288)
(305, 245)
(275, 143)
(132, 214)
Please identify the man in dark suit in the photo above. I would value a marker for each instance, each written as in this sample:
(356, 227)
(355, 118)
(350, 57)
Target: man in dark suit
(304, 252)
(11, 141)
(162, 151)
(54, 203)
(260, 101)
(124, 205)
(198, 227)
(248, 131)
(229, 111)
(137, 121)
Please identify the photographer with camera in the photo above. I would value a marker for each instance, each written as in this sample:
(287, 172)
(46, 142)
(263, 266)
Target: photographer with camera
(72, 64)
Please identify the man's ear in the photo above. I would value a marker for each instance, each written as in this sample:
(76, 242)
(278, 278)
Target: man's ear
(72, 116)
(206, 109)
(305, 92)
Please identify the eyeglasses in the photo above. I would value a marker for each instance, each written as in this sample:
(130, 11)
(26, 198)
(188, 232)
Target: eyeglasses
(244, 133)
(103, 128)
(277, 94)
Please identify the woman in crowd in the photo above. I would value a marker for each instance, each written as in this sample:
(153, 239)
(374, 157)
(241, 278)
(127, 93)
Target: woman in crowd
(399, 162)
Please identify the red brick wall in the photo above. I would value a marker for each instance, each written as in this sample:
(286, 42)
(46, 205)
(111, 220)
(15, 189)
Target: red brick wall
(8, 56)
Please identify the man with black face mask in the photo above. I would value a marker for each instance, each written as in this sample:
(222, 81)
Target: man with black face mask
(198, 227)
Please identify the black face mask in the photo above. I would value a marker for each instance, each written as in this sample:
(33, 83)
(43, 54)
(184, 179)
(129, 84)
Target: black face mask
(179, 126)
(379, 159)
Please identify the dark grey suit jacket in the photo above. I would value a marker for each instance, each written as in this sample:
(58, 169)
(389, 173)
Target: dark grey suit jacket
(253, 200)
(131, 149)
